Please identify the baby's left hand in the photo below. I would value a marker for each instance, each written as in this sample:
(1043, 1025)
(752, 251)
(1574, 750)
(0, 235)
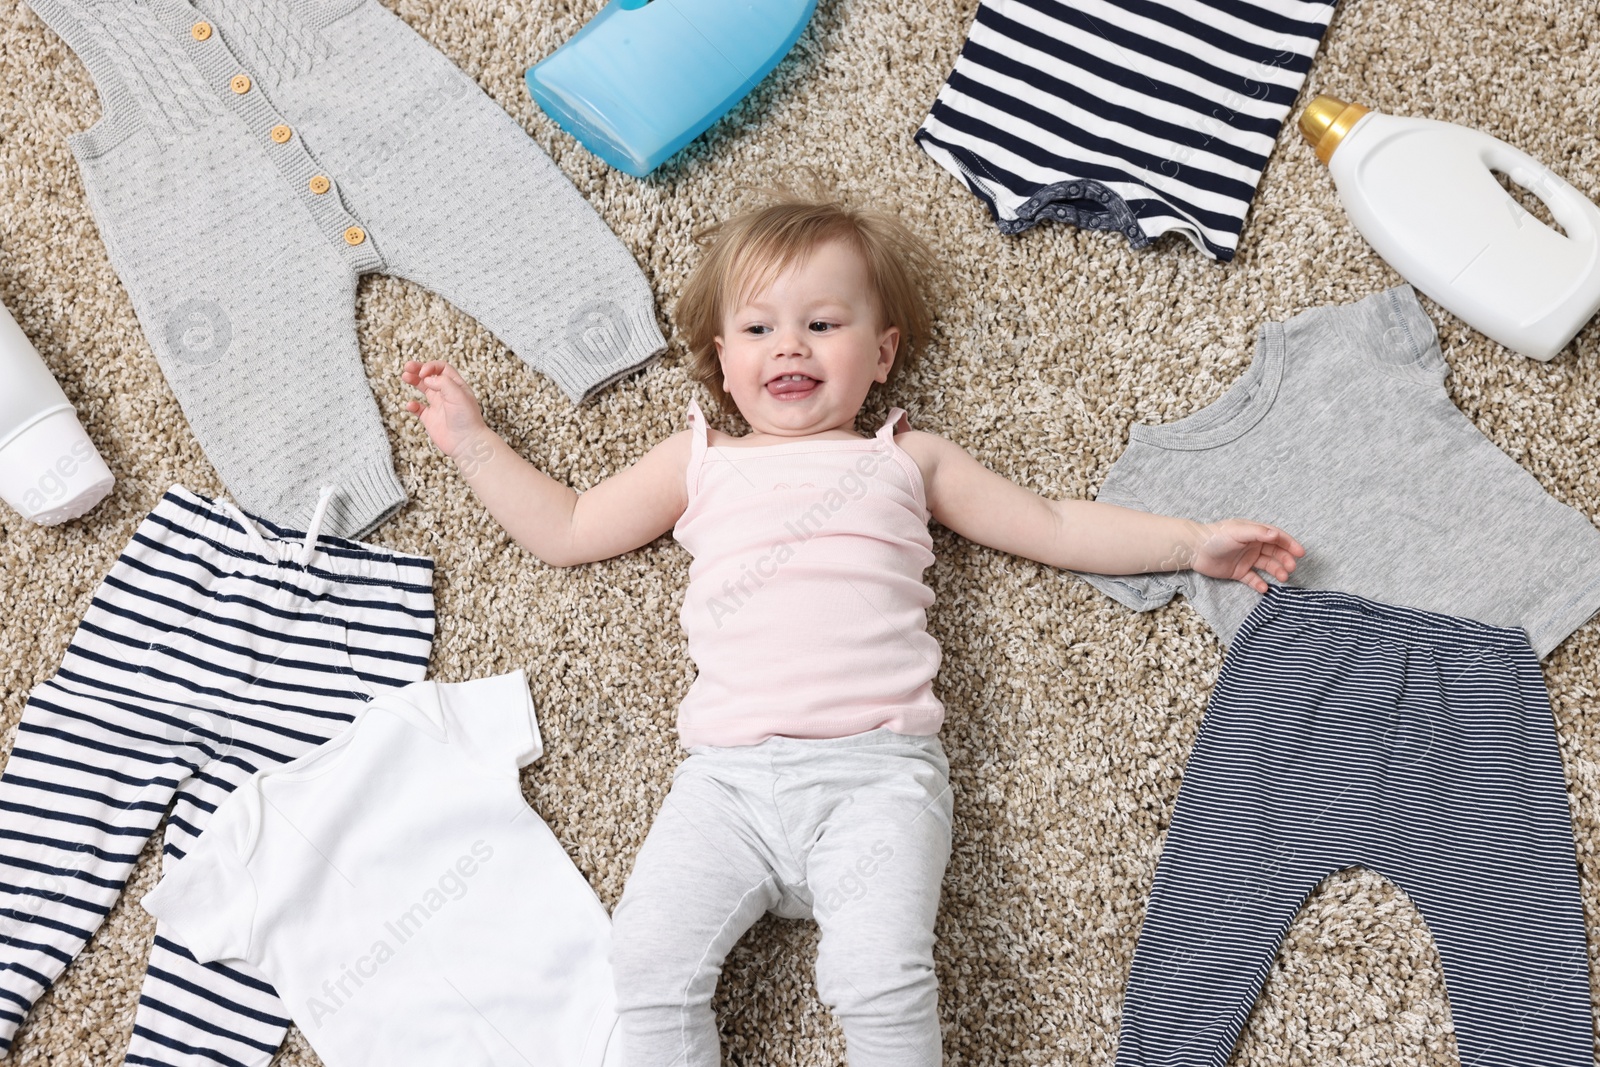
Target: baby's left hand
(1235, 548)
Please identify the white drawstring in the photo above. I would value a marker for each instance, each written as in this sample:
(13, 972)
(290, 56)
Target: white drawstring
(251, 530)
(309, 547)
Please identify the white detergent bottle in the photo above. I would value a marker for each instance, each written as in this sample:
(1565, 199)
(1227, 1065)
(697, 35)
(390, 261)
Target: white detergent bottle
(49, 469)
(1424, 194)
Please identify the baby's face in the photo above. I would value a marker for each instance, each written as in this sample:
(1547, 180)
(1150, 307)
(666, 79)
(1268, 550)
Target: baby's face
(799, 356)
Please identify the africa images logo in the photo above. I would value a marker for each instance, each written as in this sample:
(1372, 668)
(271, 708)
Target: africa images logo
(198, 332)
(451, 885)
(599, 328)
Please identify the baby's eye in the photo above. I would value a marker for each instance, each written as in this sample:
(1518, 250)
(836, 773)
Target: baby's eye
(757, 330)
(821, 327)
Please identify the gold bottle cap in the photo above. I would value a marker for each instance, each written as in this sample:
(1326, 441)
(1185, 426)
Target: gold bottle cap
(1325, 121)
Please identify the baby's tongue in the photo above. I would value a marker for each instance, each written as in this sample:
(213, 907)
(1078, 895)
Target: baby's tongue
(791, 386)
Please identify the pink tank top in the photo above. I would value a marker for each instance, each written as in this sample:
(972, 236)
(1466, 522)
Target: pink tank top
(806, 609)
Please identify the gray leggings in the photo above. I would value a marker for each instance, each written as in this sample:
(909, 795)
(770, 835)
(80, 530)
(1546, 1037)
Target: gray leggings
(853, 831)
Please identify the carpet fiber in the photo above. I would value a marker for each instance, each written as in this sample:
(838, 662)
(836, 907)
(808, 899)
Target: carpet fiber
(1069, 716)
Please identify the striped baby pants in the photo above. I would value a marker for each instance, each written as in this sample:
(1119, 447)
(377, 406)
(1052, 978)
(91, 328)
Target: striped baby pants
(1345, 733)
(219, 645)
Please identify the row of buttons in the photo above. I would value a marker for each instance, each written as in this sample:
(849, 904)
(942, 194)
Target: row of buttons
(280, 134)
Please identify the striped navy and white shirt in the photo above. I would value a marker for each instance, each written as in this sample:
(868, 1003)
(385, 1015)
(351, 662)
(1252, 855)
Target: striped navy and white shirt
(1140, 116)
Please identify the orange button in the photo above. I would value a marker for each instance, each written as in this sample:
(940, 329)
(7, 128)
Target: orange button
(240, 84)
(201, 31)
(354, 235)
(280, 134)
(320, 185)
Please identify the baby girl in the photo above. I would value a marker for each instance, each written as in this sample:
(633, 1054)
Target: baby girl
(815, 785)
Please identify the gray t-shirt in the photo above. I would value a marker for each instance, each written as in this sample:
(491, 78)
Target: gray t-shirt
(1341, 432)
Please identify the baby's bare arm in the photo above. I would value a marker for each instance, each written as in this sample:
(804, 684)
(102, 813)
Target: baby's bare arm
(561, 527)
(1079, 535)
(564, 528)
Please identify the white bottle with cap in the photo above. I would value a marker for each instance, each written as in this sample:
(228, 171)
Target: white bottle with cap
(1424, 195)
(49, 469)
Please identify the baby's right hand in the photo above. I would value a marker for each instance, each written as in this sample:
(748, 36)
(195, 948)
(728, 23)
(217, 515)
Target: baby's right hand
(448, 410)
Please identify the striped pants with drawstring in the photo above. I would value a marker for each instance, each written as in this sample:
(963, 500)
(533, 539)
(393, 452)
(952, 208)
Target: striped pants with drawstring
(219, 645)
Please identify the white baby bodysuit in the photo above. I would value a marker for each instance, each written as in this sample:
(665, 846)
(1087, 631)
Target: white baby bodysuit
(397, 890)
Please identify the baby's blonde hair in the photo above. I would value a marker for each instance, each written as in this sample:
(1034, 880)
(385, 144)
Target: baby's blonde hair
(747, 252)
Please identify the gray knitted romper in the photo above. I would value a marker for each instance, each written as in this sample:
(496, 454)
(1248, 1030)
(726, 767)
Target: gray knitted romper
(255, 157)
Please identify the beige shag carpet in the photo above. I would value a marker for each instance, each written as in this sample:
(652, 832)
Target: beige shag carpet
(1069, 716)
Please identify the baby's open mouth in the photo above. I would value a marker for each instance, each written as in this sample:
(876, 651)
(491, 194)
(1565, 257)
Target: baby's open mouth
(792, 386)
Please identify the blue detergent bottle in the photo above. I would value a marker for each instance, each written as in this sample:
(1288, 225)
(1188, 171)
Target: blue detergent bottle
(645, 77)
